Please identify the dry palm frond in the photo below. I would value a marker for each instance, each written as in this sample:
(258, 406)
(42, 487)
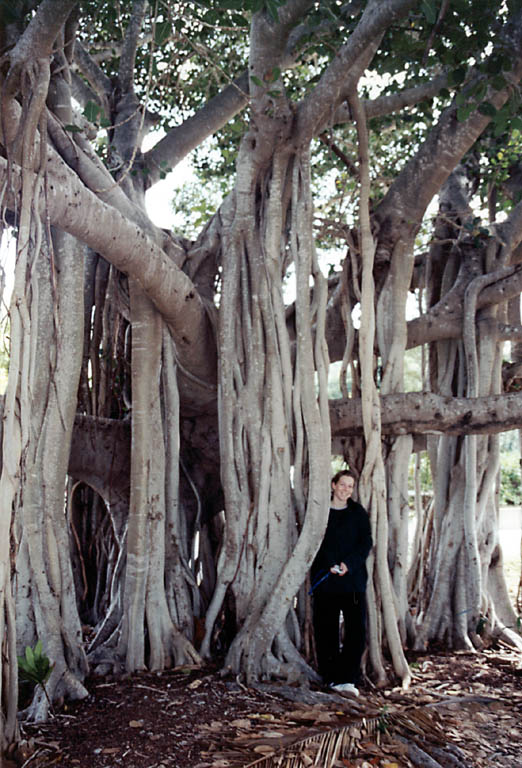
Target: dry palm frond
(321, 749)
(324, 748)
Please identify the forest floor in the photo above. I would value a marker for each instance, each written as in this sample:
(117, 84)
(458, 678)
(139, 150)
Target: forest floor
(462, 709)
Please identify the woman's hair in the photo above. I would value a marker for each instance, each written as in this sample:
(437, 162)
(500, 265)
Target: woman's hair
(343, 473)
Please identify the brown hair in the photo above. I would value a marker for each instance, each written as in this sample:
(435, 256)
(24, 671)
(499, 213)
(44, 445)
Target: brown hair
(343, 473)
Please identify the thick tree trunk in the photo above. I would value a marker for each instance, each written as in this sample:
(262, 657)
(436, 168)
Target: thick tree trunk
(459, 597)
(382, 603)
(269, 465)
(45, 594)
(145, 602)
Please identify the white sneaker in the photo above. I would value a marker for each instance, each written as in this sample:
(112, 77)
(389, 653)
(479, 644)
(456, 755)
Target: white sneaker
(346, 688)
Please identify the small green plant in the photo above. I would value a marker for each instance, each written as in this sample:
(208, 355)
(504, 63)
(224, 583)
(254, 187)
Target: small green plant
(35, 667)
(384, 720)
(481, 625)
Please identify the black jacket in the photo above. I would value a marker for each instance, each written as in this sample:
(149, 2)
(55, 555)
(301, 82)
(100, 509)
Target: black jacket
(348, 539)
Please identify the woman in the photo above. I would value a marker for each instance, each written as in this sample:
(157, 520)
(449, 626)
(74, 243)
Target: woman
(339, 571)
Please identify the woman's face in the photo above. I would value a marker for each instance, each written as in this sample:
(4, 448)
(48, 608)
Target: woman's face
(343, 489)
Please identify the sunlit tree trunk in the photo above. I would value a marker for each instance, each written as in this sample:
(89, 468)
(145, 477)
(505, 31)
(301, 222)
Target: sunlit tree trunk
(463, 583)
(45, 594)
(382, 601)
(269, 409)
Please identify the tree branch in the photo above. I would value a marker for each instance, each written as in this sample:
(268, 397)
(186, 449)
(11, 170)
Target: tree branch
(68, 204)
(507, 332)
(96, 78)
(184, 138)
(130, 44)
(393, 102)
(510, 230)
(323, 30)
(444, 320)
(410, 194)
(427, 413)
(320, 106)
(38, 39)
(289, 14)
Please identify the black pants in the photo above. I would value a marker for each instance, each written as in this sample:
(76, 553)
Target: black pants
(340, 664)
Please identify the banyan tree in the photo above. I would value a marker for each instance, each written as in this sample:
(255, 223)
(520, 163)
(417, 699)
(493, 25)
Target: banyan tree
(167, 428)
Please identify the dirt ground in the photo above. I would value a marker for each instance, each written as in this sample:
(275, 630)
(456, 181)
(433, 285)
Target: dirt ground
(462, 709)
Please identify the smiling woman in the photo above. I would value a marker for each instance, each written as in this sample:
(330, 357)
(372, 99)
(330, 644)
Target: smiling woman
(339, 573)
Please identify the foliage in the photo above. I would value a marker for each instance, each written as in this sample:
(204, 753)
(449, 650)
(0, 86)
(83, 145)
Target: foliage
(510, 486)
(426, 481)
(35, 666)
(195, 202)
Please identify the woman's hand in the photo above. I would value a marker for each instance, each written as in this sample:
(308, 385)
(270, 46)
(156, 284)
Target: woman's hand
(339, 570)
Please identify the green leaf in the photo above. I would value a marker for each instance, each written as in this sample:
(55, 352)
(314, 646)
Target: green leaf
(498, 82)
(507, 64)
(91, 111)
(34, 665)
(257, 81)
(457, 76)
(480, 91)
(275, 75)
(486, 108)
(494, 65)
(274, 93)
(271, 7)
(464, 112)
(162, 32)
(500, 126)
(72, 128)
(429, 10)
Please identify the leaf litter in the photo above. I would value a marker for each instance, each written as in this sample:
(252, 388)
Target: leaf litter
(463, 710)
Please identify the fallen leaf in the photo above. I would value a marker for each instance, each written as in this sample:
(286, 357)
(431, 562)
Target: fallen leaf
(215, 726)
(264, 749)
(110, 750)
(136, 723)
(195, 684)
(185, 668)
(326, 717)
(241, 723)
